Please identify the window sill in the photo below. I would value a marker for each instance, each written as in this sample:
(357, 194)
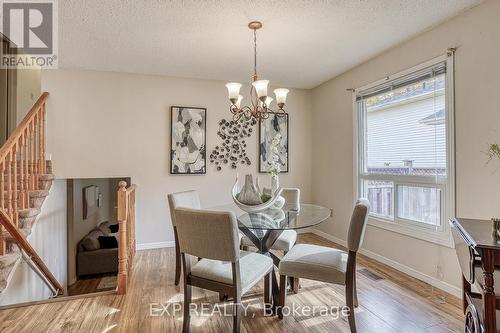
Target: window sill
(433, 236)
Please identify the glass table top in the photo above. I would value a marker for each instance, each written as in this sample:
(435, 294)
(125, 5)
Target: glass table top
(279, 219)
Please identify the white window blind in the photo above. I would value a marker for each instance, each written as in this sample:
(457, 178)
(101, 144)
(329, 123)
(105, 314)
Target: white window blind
(403, 147)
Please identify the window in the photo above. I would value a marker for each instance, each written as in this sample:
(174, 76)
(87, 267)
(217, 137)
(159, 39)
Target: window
(404, 157)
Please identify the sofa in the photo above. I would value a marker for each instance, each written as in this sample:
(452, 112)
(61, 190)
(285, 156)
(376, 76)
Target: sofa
(91, 258)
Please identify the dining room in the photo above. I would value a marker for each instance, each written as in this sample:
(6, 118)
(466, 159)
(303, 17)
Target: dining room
(298, 166)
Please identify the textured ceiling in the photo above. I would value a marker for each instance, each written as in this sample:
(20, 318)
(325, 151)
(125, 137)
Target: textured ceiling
(302, 44)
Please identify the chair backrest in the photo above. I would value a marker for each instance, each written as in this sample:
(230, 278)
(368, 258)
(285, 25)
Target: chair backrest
(208, 234)
(292, 196)
(357, 226)
(187, 199)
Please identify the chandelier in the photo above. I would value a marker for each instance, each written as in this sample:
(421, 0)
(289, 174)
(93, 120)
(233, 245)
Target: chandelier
(261, 102)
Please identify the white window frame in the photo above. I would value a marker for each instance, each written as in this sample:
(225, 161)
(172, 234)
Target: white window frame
(440, 235)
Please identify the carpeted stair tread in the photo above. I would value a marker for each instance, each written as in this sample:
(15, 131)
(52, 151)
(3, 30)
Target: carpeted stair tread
(8, 237)
(38, 193)
(29, 212)
(9, 259)
(47, 177)
(7, 263)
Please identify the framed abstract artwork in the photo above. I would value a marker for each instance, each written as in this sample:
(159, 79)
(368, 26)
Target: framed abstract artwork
(188, 140)
(273, 142)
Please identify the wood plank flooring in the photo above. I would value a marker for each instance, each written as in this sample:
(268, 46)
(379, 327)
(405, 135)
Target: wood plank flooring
(390, 301)
(87, 285)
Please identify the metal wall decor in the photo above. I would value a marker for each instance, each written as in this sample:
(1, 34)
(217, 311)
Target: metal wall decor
(232, 151)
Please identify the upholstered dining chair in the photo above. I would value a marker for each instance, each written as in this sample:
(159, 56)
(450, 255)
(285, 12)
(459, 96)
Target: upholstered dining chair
(188, 199)
(328, 264)
(288, 238)
(224, 268)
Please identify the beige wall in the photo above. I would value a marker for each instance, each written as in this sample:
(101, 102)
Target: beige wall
(104, 124)
(476, 34)
(28, 90)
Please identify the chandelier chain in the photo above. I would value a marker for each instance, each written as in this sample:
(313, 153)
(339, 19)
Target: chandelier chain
(255, 53)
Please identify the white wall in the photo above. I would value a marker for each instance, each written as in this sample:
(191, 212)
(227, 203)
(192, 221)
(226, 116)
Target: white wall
(477, 72)
(105, 124)
(48, 238)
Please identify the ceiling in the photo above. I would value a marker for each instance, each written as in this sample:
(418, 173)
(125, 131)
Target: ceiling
(302, 44)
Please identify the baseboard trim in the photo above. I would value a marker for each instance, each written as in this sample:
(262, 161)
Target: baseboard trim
(449, 288)
(157, 245)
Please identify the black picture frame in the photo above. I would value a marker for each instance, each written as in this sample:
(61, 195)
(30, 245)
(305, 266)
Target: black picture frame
(203, 152)
(287, 122)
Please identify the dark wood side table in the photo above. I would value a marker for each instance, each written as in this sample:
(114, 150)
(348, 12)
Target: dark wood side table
(478, 235)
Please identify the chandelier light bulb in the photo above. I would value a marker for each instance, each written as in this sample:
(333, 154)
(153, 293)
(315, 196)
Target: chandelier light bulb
(281, 96)
(267, 101)
(233, 89)
(261, 88)
(238, 101)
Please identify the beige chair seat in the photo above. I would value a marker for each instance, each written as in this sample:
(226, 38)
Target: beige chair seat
(253, 267)
(316, 263)
(284, 242)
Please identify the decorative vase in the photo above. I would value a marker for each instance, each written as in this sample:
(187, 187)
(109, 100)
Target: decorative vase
(249, 195)
(275, 183)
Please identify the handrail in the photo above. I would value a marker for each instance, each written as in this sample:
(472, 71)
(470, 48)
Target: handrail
(7, 223)
(126, 244)
(16, 134)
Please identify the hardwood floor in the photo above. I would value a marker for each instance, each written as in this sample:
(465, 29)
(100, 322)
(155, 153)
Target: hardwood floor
(389, 301)
(87, 286)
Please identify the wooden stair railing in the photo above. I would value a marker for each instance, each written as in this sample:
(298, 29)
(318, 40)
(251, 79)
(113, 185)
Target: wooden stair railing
(126, 244)
(22, 160)
(8, 224)
(22, 163)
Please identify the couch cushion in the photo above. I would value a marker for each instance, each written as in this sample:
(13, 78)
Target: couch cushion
(104, 227)
(253, 267)
(91, 241)
(108, 242)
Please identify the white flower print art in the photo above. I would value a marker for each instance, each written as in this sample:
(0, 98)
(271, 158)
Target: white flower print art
(188, 140)
(273, 144)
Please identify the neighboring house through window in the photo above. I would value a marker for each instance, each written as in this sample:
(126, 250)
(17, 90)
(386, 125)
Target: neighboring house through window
(405, 155)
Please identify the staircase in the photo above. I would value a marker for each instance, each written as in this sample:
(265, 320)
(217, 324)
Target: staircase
(25, 180)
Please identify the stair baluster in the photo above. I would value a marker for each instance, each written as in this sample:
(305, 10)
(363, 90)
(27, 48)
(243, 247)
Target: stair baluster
(14, 185)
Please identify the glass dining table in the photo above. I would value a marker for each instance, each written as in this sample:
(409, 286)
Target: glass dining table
(265, 227)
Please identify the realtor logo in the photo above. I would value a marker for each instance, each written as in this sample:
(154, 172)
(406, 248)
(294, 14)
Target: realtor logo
(31, 26)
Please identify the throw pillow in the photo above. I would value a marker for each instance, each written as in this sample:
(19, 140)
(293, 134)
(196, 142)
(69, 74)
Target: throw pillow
(108, 242)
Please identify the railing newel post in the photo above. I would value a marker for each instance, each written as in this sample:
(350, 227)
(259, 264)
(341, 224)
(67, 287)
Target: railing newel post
(122, 245)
